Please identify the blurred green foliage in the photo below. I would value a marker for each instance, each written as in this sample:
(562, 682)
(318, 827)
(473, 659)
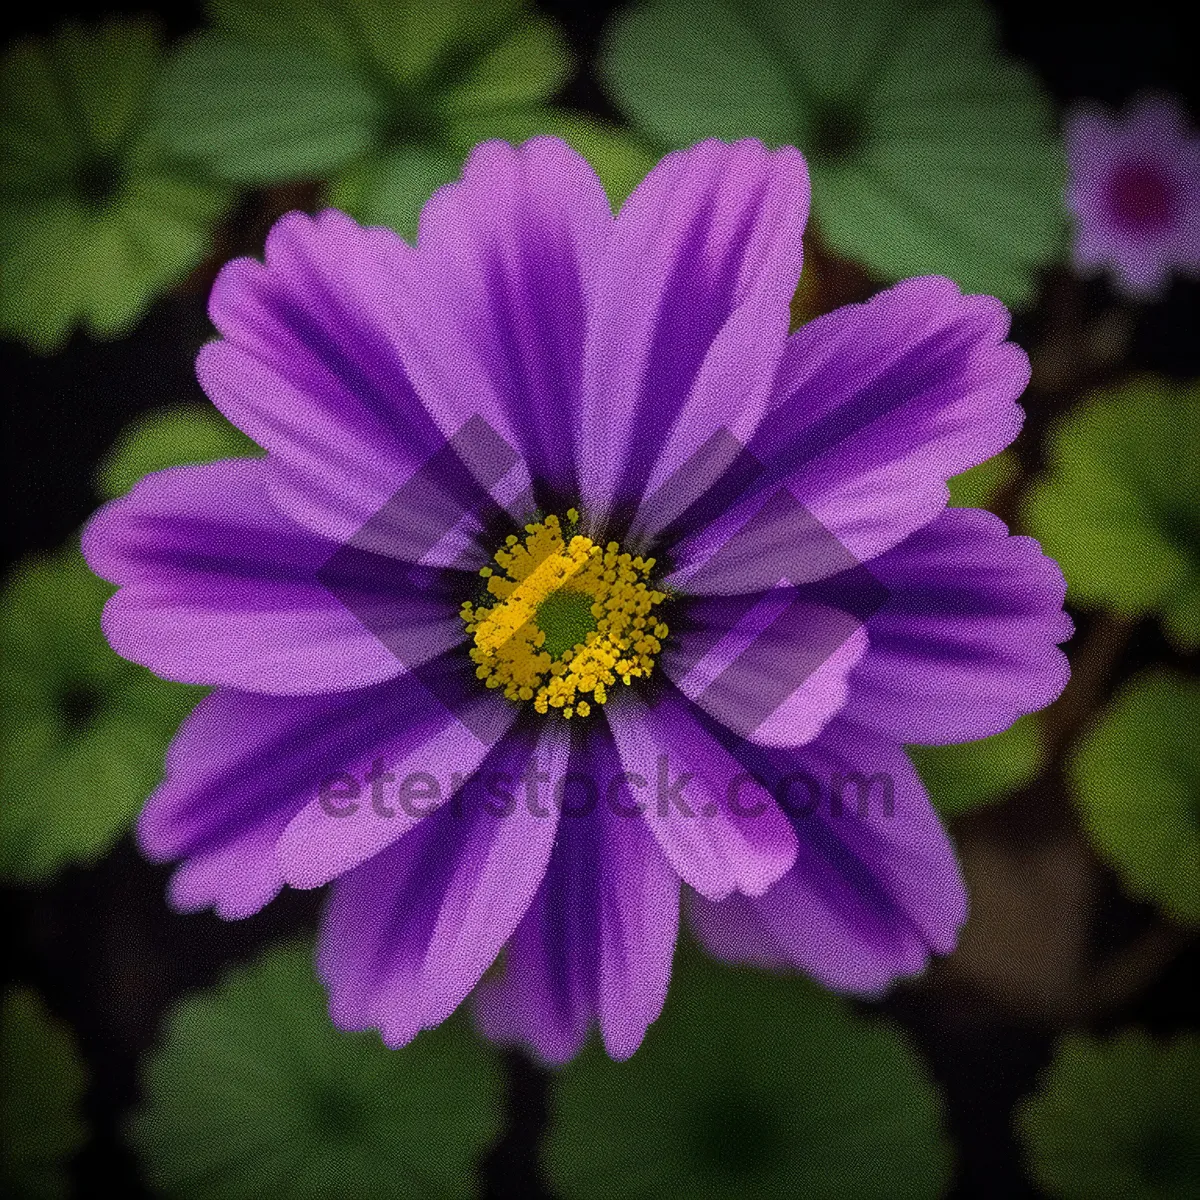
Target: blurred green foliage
(382, 100)
(929, 151)
(82, 731)
(1136, 779)
(169, 437)
(96, 220)
(749, 1085)
(960, 778)
(1119, 507)
(254, 1093)
(979, 486)
(41, 1086)
(1117, 1120)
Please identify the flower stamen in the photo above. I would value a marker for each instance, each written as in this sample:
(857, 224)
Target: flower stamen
(570, 619)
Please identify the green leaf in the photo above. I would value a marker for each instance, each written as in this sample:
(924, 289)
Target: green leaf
(1117, 1118)
(425, 44)
(254, 113)
(107, 73)
(528, 67)
(1115, 512)
(959, 778)
(979, 486)
(413, 44)
(41, 1087)
(326, 26)
(684, 70)
(618, 157)
(94, 222)
(191, 433)
(67, 263)
(40, 140)
(74, 101)
(82, 731)
(391, 187)
(158, 229)
(1136, 779)
(42, 291)
(929, 151)
(749, 1085)
(365, 91)
(254, 1093)
(829, 50)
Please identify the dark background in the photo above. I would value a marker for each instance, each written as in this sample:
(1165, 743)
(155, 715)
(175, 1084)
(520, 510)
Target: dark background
(101, 944)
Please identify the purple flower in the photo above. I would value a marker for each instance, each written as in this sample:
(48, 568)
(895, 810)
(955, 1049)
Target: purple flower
(569, 578)
(1135, 191)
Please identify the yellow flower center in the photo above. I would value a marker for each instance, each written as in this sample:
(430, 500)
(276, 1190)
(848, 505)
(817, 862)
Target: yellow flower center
(570, 618)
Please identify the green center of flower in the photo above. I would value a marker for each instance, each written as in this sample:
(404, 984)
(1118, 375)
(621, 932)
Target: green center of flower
(565, 620)
(565, 617)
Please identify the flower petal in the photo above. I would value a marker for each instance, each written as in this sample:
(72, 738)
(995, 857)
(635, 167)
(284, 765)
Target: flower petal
(875, 887)
(310, 366)
(409, 933)
(242, 766)
(596, 943)
(496, 305)
(413, 783)
(722, 835)
(772, 667)
(218, 587)
(968, 640)
(878, 404)
(690, 314)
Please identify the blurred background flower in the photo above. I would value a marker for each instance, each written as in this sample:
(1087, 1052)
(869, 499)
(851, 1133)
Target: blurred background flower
(1134, 192)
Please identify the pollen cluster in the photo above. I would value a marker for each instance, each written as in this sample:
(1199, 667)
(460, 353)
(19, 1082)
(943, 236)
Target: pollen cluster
(570, 618)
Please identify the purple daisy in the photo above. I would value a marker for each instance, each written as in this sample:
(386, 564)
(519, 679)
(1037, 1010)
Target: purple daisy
(569, 578)
(1134, 189)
